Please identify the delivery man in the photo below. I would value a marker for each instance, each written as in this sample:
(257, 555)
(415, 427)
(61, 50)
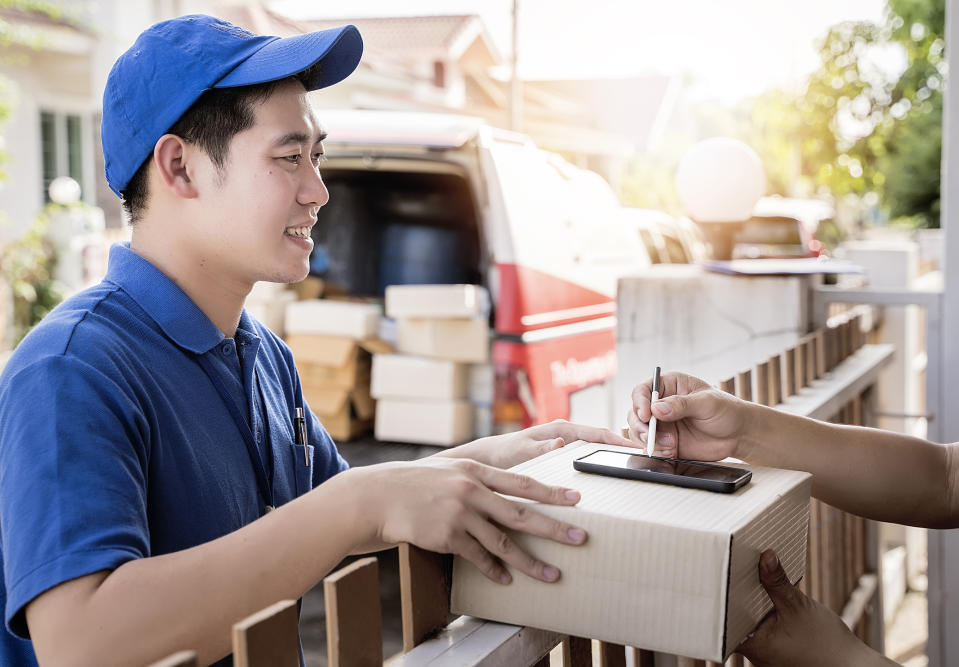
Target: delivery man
(153, 488)
(876, 474)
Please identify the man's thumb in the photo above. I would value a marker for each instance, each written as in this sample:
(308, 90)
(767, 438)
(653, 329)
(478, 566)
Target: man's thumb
(774, 580)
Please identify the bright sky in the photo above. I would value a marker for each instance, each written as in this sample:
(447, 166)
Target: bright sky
(734, 48)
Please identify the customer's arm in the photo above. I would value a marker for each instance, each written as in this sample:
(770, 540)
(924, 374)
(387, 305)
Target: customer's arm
(876, 474)
(151, 607)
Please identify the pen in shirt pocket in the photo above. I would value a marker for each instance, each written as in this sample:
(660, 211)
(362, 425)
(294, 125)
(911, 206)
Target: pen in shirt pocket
(299, 434)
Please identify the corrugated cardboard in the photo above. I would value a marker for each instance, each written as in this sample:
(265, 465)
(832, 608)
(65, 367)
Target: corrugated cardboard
(664, 568)
(333, 361)
(424, 422)
(345, 413)
(333, 318)
(405, 377)
(440, 301)
(456, 340)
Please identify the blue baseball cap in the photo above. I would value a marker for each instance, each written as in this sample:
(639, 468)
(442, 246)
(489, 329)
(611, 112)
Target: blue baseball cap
(174, 62)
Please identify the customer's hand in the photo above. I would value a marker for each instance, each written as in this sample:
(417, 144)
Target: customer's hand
(799, 631)
(695, 421)
(453, 506)
(510, 449)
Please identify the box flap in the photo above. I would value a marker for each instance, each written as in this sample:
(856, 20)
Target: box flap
(333, 351)
(327, 402)
(376, 346)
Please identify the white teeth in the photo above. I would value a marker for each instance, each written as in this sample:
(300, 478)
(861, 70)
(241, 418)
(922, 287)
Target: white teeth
(301, 232)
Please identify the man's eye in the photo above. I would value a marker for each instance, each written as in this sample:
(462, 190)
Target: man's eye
(294, 159)
(318, 159)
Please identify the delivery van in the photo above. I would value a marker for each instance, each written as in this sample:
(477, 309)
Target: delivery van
(419, 198)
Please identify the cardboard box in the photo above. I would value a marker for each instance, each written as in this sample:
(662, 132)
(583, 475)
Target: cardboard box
(456, 340)
(345, 413)
(271, 311)
(333, 361)
(664, 568)
(443, 423)
(333, 318)
(405, 377)
(439, 301)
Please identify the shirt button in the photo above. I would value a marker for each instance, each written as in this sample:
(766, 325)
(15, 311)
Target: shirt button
(225, 348)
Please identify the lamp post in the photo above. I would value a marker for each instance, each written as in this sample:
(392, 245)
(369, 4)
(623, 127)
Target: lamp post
(719, 181)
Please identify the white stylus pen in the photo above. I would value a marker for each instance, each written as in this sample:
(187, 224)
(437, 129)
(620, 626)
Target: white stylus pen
(651, 438)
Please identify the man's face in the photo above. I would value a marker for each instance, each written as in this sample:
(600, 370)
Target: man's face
(263, 203)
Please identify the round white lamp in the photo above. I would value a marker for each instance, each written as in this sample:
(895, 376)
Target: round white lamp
(64, 190)
(719, 181)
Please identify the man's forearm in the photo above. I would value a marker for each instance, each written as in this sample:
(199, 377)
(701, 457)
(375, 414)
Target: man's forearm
(190, 599)
(877, 474)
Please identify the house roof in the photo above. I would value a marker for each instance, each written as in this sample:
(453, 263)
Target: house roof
(435, 37)
(440, 36)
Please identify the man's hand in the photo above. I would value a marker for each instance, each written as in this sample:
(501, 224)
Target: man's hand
(510, 449)
(799, 631)
(695, 421)
(453, 506)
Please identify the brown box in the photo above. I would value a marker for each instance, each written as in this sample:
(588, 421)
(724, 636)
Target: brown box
(333, 361)
(664, 568)
(346, 413)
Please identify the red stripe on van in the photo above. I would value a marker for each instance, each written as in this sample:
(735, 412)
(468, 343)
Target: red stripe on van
(542, 298)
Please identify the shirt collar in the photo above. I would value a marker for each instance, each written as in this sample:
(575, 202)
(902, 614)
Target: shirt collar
(168, 305)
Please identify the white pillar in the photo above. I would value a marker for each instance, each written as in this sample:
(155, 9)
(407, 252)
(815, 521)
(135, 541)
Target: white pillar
(943, 648)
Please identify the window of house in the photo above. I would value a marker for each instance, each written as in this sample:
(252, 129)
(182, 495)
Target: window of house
(62, 148)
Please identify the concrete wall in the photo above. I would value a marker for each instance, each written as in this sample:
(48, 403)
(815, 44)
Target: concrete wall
(711, 325)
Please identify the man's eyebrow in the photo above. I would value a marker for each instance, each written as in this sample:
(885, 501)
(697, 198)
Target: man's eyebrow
(298, 137)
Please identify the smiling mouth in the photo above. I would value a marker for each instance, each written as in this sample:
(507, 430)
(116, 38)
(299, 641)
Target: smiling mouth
(298, 232)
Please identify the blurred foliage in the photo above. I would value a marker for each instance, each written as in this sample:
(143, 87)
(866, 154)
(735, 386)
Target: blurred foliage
(27, 263)
(26, 266)
(856, 127)
(852, 127)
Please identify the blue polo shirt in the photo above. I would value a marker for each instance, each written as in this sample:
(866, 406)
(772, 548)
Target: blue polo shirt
(115, 443)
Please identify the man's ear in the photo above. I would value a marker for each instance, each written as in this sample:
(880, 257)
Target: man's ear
(171, 156)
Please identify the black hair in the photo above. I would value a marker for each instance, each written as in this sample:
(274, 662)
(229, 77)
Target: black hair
(211, 122)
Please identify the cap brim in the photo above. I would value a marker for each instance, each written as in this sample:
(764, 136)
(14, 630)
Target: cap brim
(339, 50)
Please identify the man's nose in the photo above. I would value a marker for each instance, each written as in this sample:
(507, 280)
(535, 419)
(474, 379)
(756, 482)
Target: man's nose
(313, 191)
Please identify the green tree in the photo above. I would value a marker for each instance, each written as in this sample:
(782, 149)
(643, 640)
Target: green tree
(865, 130)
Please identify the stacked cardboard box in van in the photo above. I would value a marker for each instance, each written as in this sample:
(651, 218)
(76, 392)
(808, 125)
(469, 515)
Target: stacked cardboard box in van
(332, 343)
(422, 392)
(267, 302)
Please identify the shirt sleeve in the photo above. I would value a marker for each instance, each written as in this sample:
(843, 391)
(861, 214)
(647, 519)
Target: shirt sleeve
(72, 479)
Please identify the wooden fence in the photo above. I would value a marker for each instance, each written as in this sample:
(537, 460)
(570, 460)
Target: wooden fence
(826, 375)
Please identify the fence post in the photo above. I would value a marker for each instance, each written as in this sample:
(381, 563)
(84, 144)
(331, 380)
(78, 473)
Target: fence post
(354, 622)
(775, 380)
(424, 593)
(762, 383)
(577, 652)
(820, 340)
(790, 368)
(744, 385)
(268, 638)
